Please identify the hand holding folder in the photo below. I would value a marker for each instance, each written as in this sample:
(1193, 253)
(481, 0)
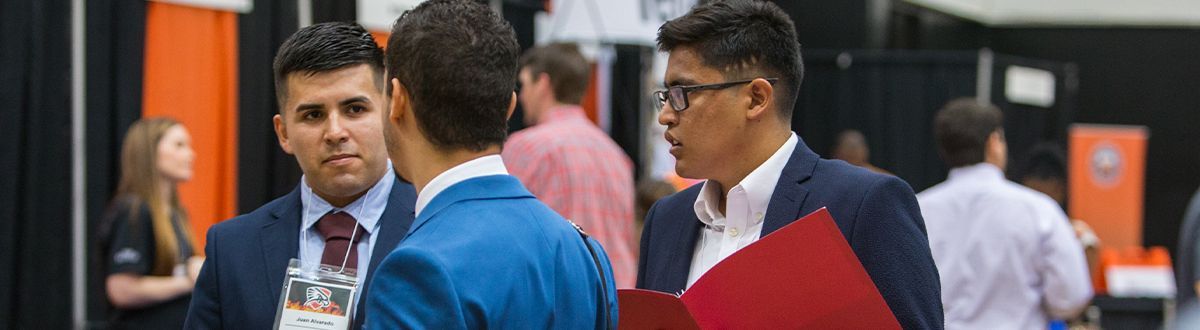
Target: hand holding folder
(803, 275)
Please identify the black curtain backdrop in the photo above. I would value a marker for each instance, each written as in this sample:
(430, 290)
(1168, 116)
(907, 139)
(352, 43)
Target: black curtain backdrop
(892, 97)
(1135, 76)
(264, 170)
(627, 100)
(116, 31)
(520, 16)
(1027, 125)
(35, 196)
(1126, 76)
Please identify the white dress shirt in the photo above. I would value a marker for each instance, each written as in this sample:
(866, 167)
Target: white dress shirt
(1007, 255)
(482, 166)
(366, 210)
(745, 207)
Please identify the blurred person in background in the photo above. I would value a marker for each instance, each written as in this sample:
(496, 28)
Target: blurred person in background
(1187, 263)
(1007, 255)
(149, 257)
(1045, 170)
(568, 162)
(851, 146)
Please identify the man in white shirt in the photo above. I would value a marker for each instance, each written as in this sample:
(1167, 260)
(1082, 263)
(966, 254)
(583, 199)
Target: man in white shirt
(1007, 255)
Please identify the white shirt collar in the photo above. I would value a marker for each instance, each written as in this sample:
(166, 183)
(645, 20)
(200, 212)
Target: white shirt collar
(366, 210)
(759, 185)
(482, 166)
(976, 173)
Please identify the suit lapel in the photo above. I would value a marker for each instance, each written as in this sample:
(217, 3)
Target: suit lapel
(280, 242)
(788, 198)
(679, 264)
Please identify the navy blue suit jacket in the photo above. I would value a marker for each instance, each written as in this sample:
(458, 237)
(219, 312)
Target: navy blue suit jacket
(486, 254)
(877, 214)
(247, 257)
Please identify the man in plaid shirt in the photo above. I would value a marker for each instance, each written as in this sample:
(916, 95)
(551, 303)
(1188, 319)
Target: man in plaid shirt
(568, 162)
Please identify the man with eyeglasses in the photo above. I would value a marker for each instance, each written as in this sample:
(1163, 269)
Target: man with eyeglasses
(732, 77)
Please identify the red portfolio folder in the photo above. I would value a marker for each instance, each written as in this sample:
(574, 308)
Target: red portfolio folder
(802, 276)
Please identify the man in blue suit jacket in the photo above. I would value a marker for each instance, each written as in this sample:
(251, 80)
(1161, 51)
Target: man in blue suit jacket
(483, 252)
(732, 77)
(330, 79)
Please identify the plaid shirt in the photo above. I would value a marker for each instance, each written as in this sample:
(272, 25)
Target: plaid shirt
(577, 170)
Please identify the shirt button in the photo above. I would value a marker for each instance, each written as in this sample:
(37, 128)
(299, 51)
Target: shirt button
(733, 232)
(758, 215)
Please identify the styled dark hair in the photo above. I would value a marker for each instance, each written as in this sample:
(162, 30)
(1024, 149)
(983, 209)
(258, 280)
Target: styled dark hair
(325, 47)
(567, 68)
(961, 129)
(744, 39)
(458, 61)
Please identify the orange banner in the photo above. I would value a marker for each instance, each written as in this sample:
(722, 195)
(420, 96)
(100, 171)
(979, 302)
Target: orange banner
(1107, 180)
(191, 75)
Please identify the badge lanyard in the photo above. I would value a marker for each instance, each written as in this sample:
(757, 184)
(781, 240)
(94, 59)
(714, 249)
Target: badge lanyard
(320, 297)
(307, 200)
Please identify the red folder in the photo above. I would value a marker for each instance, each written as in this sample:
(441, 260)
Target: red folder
(802, 276)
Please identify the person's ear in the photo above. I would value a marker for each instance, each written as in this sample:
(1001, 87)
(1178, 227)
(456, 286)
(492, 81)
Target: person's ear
(281, 133)
(512, 105)
(761, 95)
(399, 103)
(542, 80)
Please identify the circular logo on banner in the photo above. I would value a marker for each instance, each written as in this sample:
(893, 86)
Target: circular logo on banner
(1105, 163)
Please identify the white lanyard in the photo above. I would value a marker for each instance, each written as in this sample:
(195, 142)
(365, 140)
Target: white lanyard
(307, 200)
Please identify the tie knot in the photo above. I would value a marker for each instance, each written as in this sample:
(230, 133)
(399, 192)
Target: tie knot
(339, 225)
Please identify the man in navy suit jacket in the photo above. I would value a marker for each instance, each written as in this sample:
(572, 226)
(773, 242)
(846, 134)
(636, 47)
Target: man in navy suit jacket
(732, 77)
(483, 252)
(330, 82)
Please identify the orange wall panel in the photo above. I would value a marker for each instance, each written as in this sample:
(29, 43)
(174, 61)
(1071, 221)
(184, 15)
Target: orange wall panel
(1107, 181)
(191, 75)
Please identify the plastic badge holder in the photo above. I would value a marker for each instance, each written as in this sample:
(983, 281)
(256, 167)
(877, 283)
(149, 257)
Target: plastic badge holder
(316, 297)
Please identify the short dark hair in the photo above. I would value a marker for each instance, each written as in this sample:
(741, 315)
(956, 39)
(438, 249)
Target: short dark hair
(458, 61)
(567, 68)
(325, 47)
(961, 129)
(1045, 161)
(743, 39)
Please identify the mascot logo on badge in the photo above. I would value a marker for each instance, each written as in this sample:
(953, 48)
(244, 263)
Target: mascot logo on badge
(317, 298)
(1106, 164)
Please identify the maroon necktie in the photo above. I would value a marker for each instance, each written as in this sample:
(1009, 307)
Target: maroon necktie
(337, 228)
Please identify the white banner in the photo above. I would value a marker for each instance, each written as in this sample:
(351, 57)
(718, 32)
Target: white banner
(240, 6)
(378, 15)
(633, 22)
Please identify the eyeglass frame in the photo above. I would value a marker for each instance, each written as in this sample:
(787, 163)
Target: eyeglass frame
(663, 97)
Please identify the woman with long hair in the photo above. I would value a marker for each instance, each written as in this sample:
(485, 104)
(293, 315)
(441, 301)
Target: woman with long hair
(150, 263)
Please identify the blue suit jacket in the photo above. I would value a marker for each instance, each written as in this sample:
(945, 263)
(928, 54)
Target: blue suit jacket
(877, 214)
(486, 254)
(248, 255)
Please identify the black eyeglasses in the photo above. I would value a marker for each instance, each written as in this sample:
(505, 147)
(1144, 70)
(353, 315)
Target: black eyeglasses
(678, 95)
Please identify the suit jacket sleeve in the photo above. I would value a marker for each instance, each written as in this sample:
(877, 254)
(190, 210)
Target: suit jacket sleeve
(205, 309)
(412, 290)
(891, 241)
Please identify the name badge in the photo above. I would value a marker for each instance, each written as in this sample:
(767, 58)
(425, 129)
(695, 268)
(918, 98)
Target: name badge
(316, 297)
